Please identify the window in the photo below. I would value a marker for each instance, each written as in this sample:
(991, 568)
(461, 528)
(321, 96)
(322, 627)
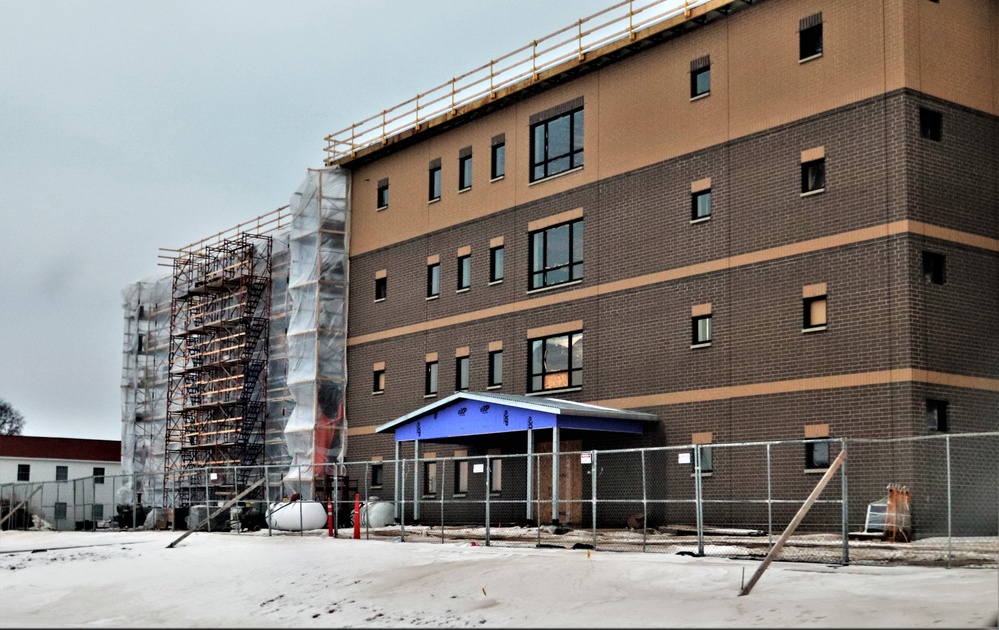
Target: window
(495, 475)
(497, 167)
(557, 142)
(381, 288)
(810, 37)
(383, 188)
(379, 382)
(461, 374)
(930, 124)
(62, 473)
(98, 474)
(933, 267)
(24, 472)
(707, 460)
(461, 476)
(813, 176)
(701, 325)
(60, 511)
(98, 512)
(429, 477)
(495, 368)
(430, 381)
(377, 475)
(433, 280)
(434, 192)
(496, 264)
(936, 415)
(140, 348)
(557, 255)
(556, 362)
(817, 455)
(700, 205)
(700, 77)
(814, 313)
(464, 272)
(465, 169)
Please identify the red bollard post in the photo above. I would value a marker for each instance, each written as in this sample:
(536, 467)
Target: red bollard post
(357, 517)
(329, 514)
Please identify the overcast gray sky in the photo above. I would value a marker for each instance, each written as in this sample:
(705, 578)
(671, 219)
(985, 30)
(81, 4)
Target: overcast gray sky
(127, 126)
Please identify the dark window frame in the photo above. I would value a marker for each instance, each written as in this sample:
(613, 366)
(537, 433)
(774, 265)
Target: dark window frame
(383, 192)
(543, 163)
(695, 205)
(497, 164)
(538, 373)
(434, 184)
(806, 322)
(495, 476)
(707, 461)
(433, 280)
(65, 473)
(429, 473)
(381, 289)
(539, 278)
(810, 38)
(695, 337)
(99, 473)
(377, 475)
(24, 472)
(495, 377)
(60, 511)
(931, 124)
(462, 373)
(934, 267)
(813, 183)
(431, 380)
(935, 414)
(497, 258)
(464, 272)
(378, 384)
(817, 455)
(465, 172)
(697, 88)
(461, 470)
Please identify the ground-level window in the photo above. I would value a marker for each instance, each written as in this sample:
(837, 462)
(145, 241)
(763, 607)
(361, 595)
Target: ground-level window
(98, 513)
(817, 455)
(461, 476)
(707, 460)
(495, 475)
(60, 511)
(429, 477)
(377, 474)
(557, 254)
(556, 362)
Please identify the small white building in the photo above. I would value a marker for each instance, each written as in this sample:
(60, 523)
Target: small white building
(68, 482)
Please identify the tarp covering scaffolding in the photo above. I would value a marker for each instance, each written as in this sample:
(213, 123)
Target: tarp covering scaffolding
(317, 327)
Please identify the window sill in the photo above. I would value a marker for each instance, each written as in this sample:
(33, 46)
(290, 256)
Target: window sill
(494, 386)
(812, 193)
(465, 290)
(546, 392)
(703, 474)
(554, 286)
(433, 297)
(816, 471)
(379, 486)
(555, 176)
(434, 200)
(430, 395)
(493, 283)
(700, 220)
(813, 329)
(497, 179)
(429, 496)
(379, 299)
(378, 393)
(700, 96)
(459, 496)
(464, 190)
(807, 59)
(700, 345)
(380, 208)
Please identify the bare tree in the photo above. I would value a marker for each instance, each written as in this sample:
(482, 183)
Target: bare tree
(11, 420)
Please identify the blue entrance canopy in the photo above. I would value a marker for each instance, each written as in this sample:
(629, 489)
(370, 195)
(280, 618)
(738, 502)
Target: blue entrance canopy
(472, 413)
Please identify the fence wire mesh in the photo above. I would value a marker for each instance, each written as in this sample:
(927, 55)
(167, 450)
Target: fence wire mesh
(930, 500)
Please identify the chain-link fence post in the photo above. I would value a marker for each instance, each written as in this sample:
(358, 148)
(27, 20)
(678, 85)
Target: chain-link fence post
(488, 487)
(950, 532)
(698, 500)
(770, 505)
(442, 476)
(402, 501)
(645, 505)
(845, 507)
(208, 508)
(336, 502)
(593, 493)
(267, 499)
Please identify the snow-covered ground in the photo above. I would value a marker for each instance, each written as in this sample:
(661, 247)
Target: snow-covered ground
(130, 578)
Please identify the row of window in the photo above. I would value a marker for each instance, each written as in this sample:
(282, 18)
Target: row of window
(431, 482)
(61, 473)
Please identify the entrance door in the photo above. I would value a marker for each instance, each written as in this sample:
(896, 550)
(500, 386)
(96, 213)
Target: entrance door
(570, 482)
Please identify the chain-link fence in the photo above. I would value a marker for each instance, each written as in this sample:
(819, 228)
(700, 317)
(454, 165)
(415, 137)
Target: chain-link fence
(929, 500)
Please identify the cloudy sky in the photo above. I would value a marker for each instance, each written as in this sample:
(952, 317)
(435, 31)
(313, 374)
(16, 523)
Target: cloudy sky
(129, 126)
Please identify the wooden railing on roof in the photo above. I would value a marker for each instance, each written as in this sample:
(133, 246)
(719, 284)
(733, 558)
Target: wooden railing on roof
(268, 222)
(620, 21)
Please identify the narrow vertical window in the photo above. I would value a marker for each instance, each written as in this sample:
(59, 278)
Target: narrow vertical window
(60, 511)
(495, 475)
(496, 263)
(465, 168)
(700, 77)
(429, 477)
(464, 272)
(99, 474)
(24, 472)
(495, 368)
(62, 473)
(461, 476)
(433, 280)
(813, 176)
(430, 379)
(814, 307)
(700, 205)
(934, 265)
(497, 168)
(381, 288)
(936, 415)
(379, 381)
(434, 184)
(383, 192)
(930, 124)
(461, 374)
(377, 475)
(810, 37)
(701, 333)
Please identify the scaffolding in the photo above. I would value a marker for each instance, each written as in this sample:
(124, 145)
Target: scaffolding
(217, 382)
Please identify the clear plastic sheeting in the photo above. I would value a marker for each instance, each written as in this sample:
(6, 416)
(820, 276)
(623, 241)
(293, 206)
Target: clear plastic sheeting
(146, 307)
(315, 433)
